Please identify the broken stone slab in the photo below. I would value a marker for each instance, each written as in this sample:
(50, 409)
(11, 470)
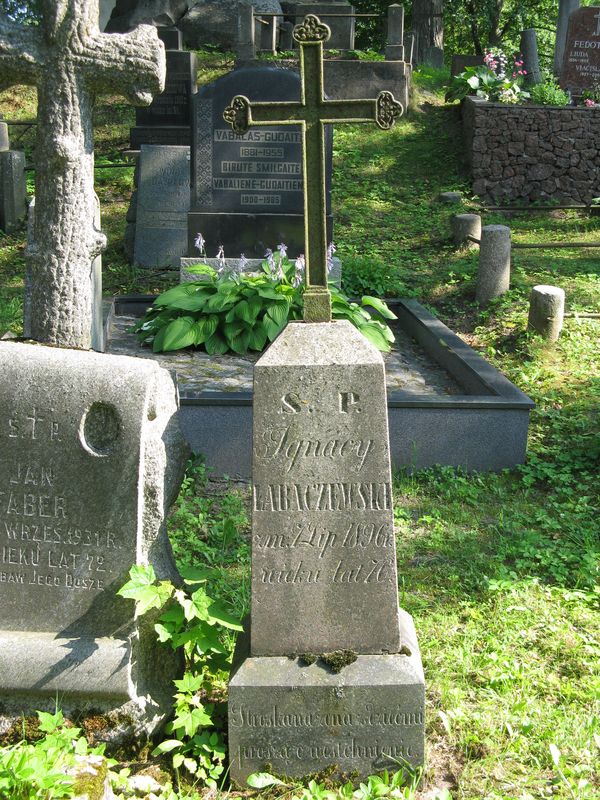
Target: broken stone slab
(92, 458)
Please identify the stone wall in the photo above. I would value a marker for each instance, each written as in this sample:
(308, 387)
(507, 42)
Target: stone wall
(527, 153)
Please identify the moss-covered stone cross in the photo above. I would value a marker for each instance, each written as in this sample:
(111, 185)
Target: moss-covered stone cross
(313, 112)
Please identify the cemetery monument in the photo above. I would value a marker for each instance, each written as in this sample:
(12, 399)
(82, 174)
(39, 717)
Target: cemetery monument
(92, 452)
(167, 120)
(70, 62)
(581, 60)
(330, 672)
(247, 190)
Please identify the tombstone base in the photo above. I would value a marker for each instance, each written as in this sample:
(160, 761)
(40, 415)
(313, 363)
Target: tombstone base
(250, 234)
(301, 719)
(128, 680)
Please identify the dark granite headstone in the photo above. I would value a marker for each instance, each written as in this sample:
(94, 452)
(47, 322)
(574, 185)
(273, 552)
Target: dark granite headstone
(460, 62)
(172, 38)
(247, 190)
(167, 120)
(163, 200)
(342, 27)
(13, 189)
(581, 63)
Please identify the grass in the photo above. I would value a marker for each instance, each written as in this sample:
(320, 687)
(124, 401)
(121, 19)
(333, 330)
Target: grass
(499, 571)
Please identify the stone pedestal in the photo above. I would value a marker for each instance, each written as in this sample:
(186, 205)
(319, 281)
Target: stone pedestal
(324, 573)
(300, 718)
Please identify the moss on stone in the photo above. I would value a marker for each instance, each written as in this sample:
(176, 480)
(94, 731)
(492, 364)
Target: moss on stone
(306, 659)
(338, 659)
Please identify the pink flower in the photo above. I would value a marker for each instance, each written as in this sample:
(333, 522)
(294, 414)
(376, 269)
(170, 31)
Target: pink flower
(589, 102)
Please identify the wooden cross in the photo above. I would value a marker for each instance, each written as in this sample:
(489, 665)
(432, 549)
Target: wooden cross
(313, 112)
(70, 62)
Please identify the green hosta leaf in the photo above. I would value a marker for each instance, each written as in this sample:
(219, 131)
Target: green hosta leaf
(176, 293)
(201, 269)
(216, 344)
(376, 336)
(242, 311)
(157, 344)
(255, 305)
(279, 313)
(260, 780)
(379, 306)
(179, 333)
(195, 302)
(204, 328)
(258, 337)
(220, 301)
(239, 341)
(272, 329)
(268, 292)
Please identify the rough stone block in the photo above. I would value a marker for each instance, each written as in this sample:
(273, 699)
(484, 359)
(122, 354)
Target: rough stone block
(300, 718)
(92, 456)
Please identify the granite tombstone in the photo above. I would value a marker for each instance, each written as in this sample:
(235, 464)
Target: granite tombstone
(581, 60)
(167, 120)
(13, 187)
(338, 15)
(163, 201)
(247, 189)
(91, 458)
(329, 675)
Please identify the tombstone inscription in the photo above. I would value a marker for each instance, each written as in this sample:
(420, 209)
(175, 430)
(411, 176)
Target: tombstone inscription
(329, 674)
(92, 456)
(247, 189)
(581, 60)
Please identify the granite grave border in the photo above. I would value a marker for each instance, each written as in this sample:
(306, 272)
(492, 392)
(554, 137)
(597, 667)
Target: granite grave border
(484, 429)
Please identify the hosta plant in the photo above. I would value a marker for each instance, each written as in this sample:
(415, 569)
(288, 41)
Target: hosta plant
(240, 311)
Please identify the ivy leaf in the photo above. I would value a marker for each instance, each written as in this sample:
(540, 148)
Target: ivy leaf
(260, 780)
(218, 614)
(167, 746)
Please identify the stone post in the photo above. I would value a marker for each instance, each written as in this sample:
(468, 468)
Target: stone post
(285, 36)
(246, 48)
(565, 9)
(394, 48)
(546, 311)
(493, 277)
(529, 50)
(4, 140)
(463, 226)
(409, 47)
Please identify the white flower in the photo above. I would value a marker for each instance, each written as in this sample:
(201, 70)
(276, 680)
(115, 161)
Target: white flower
(199, 242)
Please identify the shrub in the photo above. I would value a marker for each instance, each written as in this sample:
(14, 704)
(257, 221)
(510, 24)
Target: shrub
(549, 93)
(242, 311)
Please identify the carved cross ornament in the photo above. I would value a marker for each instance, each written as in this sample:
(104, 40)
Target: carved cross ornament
(70, 61)
(312, 113)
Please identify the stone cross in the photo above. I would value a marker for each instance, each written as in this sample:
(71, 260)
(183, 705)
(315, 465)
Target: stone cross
(70, 62)
(313, 112)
